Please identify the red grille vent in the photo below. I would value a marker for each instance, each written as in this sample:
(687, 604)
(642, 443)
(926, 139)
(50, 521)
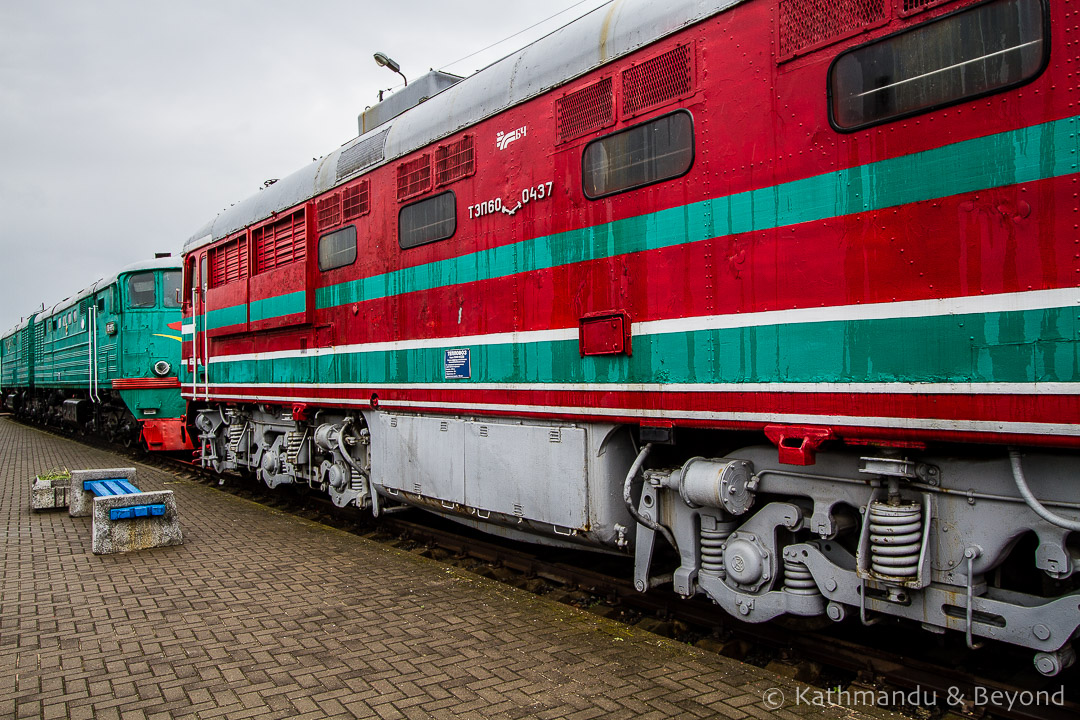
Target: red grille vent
(329, 211)
(354, 201)
(279, 243)
(655, 81)
(806, 24)
(228, 263)
(585, 110)
(454, 161)
(414, 177)
(907, 7)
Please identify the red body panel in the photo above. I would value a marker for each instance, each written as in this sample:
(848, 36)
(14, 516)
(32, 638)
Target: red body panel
(759, 124)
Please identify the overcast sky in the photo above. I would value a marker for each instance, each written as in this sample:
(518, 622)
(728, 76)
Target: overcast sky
(125, 125)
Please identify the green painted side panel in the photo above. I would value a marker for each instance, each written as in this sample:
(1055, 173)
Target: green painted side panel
(1018, 347)
(165, 403)
(276, 307)
(64, 360)
(224, 317)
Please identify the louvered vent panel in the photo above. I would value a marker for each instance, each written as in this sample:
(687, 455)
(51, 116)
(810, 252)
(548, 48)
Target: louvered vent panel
(454, 161)
(585, 110)
(329, 211)
(658, 80)
(354, 201)
(413, 177)
(280, 243)
(910, 6)
(228, 263)
(807, 23)
(236, 261)
(362, 154)
(216, 262)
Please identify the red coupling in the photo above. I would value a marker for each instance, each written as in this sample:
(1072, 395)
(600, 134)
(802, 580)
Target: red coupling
(798, 444)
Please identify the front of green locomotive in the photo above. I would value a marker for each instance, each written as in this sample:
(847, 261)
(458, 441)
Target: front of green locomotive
(143, 335)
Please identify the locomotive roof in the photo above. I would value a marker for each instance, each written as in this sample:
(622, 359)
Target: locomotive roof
(602, 35)
(164, 263)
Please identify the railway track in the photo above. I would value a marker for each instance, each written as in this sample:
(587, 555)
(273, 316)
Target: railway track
(838, 661)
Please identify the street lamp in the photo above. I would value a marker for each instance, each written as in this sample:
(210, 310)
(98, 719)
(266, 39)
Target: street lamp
(383, 61)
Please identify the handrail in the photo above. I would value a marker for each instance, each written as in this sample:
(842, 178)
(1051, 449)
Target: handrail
(90, 352)
(194, 347)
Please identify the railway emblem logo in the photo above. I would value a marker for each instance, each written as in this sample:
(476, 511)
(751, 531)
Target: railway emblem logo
(503, 139)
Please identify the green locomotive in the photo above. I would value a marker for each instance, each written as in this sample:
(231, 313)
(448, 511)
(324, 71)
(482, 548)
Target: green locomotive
(104, 361)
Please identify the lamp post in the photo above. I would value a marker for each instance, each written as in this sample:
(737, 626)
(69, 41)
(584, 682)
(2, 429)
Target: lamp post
(383, 61)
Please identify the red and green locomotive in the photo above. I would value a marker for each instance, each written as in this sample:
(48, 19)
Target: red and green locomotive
(787, 285)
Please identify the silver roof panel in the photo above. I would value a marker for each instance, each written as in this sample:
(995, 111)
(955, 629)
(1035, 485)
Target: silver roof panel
(606, 33)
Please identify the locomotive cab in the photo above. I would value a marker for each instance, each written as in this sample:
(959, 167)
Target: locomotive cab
(147, 325)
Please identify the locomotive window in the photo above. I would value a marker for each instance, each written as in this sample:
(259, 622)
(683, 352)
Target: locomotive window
(140, 290)
(170, 280)
(967, 54)
(431, 219)
(337, 249)
(649, 153)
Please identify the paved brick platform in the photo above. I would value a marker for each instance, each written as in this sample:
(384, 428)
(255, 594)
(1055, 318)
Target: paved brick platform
(263, 615)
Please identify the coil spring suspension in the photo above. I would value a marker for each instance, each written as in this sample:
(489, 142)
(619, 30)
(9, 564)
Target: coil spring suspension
(356, 482)
(236, 433)
(712, 549)
(294, 441)
(895, 538)
(797, 578)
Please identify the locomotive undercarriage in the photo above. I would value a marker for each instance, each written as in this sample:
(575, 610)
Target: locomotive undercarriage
(328, 452)
(947, 542)
(380, 461)
(74, 411)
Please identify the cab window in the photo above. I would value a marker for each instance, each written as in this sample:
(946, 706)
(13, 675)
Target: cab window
(170, 281)
(140, 290)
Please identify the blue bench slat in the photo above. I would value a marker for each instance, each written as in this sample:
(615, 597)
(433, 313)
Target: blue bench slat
(136, 511)
(116, 486)
(121, 487)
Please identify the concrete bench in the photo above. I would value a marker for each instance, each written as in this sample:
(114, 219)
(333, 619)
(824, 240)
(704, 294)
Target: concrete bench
(124, 517)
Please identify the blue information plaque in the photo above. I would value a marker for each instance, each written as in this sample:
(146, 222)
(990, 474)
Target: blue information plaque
(458, 365)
